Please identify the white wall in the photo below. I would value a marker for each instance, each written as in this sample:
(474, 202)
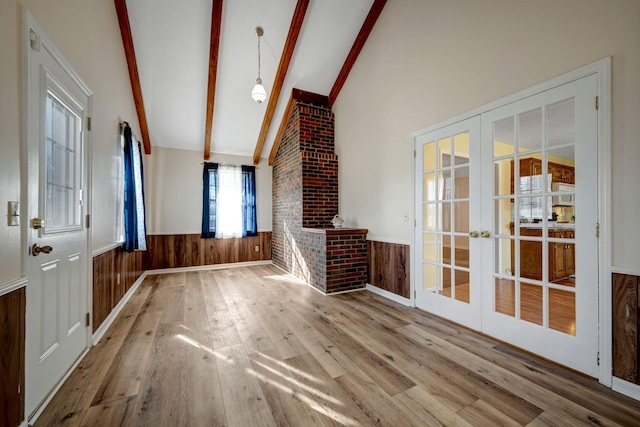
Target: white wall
(87, 33)
(426, 61)
(173, 190)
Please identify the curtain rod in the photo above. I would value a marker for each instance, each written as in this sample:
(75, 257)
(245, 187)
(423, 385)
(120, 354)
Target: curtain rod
(227, 164)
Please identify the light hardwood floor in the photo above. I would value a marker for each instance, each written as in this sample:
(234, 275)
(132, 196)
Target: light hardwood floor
(251, 346)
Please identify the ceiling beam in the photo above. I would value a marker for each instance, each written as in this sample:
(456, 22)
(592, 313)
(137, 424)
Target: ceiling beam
(283, 67)
(216, 21)
(127, 42)
(367, 26)
(296, 95)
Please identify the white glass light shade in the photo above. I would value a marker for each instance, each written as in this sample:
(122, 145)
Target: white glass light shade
(258, 93)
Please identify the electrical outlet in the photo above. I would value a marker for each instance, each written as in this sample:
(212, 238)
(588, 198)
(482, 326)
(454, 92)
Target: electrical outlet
(14, 214)
(257, 248)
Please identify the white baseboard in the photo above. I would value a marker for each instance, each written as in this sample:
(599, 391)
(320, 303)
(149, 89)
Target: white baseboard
(302, 282)
(207, 267)
(390, 295)
(626, 388)
(116, 310)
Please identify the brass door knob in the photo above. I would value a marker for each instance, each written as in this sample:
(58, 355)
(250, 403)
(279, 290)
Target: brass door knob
(485, 234)
(474, 234)
(36, 249)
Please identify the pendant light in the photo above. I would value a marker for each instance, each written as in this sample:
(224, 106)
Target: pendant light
(258, 93)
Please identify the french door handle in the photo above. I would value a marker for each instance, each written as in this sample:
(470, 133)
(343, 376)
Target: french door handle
(485, 234)
(474, 234)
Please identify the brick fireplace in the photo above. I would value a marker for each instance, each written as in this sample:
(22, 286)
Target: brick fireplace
(305, 200)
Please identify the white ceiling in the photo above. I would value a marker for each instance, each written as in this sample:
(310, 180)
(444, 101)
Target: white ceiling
(171, 42)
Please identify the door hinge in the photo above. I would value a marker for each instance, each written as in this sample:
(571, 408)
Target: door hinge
(597, 102)
(414, 154)
(88, 320)
(415, 223)
(597, 229)
(598, 358)
(34, 40)
(87, 221)
(89, 124)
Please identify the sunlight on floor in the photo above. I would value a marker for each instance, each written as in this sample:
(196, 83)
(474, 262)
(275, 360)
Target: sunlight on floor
(299, 384)
(196, 344)
(336, 416)
(297, 371)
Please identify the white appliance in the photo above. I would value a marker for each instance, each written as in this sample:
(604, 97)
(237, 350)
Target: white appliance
(566, 196)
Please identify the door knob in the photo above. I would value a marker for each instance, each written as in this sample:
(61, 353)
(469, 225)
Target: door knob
(485, 233)
(36, 249)
(474, 234)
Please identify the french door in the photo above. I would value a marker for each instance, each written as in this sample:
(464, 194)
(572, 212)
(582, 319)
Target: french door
(531, 210)
(449, 190)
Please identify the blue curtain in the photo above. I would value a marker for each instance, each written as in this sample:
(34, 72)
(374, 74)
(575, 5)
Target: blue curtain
(209, 193)
(249, 220)
(134, 212)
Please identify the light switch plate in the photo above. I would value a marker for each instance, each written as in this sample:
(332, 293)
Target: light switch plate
(14, 214)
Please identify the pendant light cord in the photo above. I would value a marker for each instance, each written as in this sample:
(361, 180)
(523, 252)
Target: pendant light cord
(259, 58)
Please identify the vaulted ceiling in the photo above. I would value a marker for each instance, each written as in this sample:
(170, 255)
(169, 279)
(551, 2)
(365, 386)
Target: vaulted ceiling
(193, 65)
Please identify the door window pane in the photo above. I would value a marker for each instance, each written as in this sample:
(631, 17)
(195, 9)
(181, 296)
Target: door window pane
(531, 303)
(63, 166)
(561, 123)
(530, 131)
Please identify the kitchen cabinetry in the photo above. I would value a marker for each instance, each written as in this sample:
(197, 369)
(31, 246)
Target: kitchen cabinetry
(562, 173)
(531, 166)
(561, 254)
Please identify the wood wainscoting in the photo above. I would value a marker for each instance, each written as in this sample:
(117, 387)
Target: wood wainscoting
(114, 272)
(389, 267)
(626, 330)
(12, 318)
(190, 250)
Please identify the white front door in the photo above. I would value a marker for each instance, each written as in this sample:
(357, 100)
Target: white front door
(448, 188)
(57, 106)
(506, 225)
(540, 266)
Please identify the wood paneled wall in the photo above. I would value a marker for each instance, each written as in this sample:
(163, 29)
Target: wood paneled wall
(626, 318)
(190, 250)
(12, 318)
(114, 272)
(389, 267)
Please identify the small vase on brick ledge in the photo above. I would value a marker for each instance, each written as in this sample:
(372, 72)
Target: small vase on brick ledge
(337, 221)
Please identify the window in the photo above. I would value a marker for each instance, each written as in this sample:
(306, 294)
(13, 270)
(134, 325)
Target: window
(134, 212)
(229, 201)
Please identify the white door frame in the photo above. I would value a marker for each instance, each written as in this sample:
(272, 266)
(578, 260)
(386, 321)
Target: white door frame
(28, 23)
(602, 69)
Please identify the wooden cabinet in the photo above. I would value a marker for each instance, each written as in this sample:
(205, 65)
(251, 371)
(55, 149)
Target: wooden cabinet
(561, 173)
(561, 255)
(531, 166)
(12, 357)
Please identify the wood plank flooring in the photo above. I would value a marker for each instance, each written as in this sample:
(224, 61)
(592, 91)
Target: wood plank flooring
(251, 346)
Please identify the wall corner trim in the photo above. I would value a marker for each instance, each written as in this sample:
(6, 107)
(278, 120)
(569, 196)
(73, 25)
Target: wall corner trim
(116, 310)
